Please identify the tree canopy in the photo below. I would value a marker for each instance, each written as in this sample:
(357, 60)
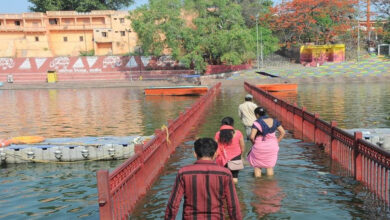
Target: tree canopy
(383, 11)
(317, 21)
(198, 32)
(78, 5)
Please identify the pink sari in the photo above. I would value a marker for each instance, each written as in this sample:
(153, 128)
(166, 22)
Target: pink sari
(264, 153)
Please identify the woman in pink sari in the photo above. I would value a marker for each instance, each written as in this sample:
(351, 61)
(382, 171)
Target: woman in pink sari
(264, 152)
(230, 145)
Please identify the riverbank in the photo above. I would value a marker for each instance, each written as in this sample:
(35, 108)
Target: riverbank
(372, 69)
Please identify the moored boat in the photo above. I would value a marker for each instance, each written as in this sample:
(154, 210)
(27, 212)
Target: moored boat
(176, 90)
(278, 87)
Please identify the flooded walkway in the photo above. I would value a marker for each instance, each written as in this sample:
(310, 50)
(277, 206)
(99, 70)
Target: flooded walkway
(306, 184)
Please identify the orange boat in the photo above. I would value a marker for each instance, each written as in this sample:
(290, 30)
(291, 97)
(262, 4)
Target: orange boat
(176, 90)
(278, 87)
(5, 143)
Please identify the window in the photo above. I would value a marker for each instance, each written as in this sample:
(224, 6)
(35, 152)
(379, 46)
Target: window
(65, 39)
(53, 21)
(123, 33)
(115, 18)
(104, 34)
(122, 20)
(81, 38)
(17, 23)
(36, 38)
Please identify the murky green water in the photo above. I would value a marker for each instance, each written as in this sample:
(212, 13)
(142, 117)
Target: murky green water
(305, 185)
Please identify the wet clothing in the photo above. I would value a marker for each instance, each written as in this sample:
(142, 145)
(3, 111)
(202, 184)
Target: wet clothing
(234, 172)
(246, 111)
(206, 187)
(232, 150)
(264, 152)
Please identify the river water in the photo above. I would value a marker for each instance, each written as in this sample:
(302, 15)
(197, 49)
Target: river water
(306, 184)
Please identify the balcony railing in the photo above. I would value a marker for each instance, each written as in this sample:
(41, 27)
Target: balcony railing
(21, 28)
(76, 27)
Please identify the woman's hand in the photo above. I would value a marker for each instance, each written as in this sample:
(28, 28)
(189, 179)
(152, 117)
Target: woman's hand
(282, 132)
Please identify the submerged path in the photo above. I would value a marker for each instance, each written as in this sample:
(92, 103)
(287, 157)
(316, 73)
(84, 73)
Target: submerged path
(306, 185)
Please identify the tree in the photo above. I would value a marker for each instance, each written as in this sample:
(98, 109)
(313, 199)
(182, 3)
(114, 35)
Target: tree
(319, 21)
(383, 10)
(198, 32)
(251, 8)
(382, 7)
(78, 5)
(159, 27)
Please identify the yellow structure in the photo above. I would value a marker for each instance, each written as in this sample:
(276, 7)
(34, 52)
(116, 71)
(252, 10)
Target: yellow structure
(66, 33)
(52, 77)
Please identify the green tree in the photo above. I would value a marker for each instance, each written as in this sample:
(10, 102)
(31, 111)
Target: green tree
(159, 27)
(78, 5)
(198, 32)
(251, 8)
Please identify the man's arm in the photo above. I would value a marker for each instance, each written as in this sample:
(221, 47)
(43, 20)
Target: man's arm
(232, 200)
(175, 198)
(239, 112)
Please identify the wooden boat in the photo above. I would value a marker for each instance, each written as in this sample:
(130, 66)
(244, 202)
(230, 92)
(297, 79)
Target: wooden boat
(278, 87)
(176, 90)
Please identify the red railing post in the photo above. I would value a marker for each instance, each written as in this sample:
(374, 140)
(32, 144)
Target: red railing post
(140, 182)
(104, 200)
(333, 143)
(358, 157)
(315, 130)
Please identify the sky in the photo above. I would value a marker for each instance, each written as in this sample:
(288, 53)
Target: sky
(19, 6)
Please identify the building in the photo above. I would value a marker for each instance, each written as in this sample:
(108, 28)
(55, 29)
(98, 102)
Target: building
(66, 33)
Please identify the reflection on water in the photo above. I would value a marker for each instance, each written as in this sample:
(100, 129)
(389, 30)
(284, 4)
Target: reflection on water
(269, 196)
(68, 191)
(50, 191)
(305, 185)
(351, 105)
(85, 112)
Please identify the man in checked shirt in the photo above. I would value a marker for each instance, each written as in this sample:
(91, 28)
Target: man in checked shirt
(205, 186)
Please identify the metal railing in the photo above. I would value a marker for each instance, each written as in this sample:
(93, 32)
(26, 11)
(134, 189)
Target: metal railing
(119, 190)
(362, 160)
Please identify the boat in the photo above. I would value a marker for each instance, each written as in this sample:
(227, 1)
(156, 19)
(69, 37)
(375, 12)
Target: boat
(278, 87)
(176, 90)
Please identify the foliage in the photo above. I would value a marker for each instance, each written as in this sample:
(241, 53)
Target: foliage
(320, 21)
(78, 5)
(382, 7)
(87, 53)
(159, 27)
(383, 12)
(198, 32)
(251, 8)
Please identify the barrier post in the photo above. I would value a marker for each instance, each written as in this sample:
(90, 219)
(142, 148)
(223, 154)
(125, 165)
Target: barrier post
(140, 182)
(315, 130)
(358, 157)
(104, 199)
(333, 124)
